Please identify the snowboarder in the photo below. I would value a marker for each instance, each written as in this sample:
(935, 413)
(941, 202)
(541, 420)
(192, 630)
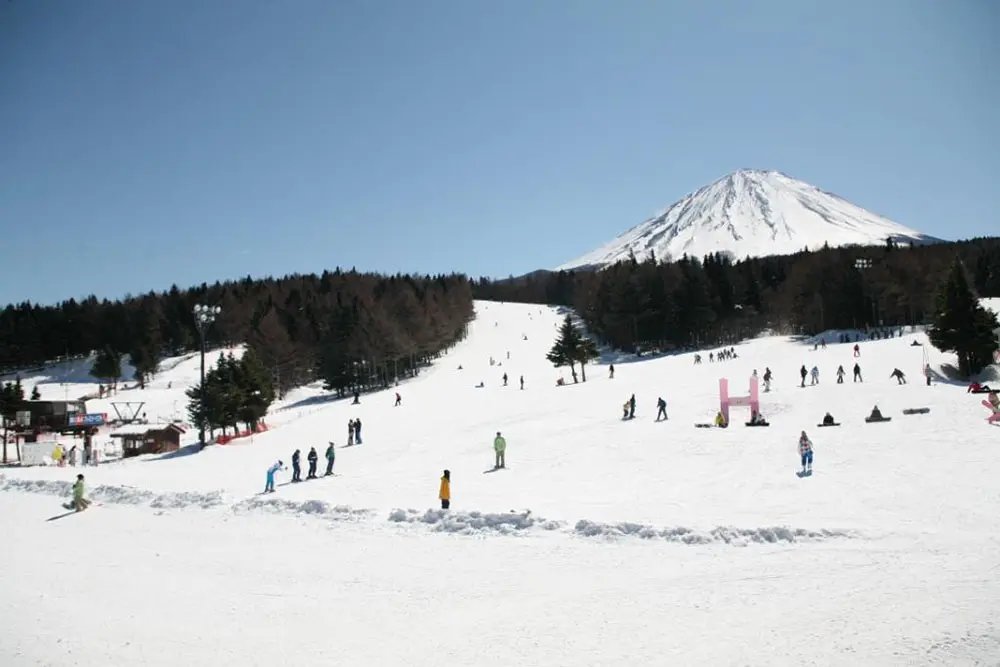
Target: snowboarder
(876, 415)
(828, 419)
(499, 450)
(269, 486)
(927, 373)
(331, 456)
(522, 383)
(840, 375)
(899, 375)
(79, 502)
(631, 407)
(399, 399)
(505, 379)
(767, 379)
(857, 373)
(803, 372)
(357, 398)
(357, 431)
(815, 375)
(661, 409)
(350, 433)
(313, 459)
(720, 419)
(444, 493)
(857, 350)
(806, 453)
(611, 372)
(296, 466)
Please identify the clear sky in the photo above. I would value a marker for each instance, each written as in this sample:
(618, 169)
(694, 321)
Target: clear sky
(147, 143)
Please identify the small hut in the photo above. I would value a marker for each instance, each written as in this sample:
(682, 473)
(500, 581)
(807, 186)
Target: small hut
(140, 439)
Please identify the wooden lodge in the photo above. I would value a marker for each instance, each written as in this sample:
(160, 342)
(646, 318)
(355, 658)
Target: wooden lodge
(140, 439)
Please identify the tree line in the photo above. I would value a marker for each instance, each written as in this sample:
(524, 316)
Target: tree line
(692, 303)
(301, 327)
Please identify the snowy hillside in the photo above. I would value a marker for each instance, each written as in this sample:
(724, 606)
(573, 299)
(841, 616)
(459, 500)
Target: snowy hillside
(603, 542)
(751, 213)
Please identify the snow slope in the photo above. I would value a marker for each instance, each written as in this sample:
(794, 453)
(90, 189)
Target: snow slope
(750, 213)
(604, 542)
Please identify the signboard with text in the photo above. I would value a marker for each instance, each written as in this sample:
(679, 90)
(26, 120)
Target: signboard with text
(90, 419)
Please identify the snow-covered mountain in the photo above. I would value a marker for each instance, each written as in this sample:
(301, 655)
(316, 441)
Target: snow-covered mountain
(751, 213)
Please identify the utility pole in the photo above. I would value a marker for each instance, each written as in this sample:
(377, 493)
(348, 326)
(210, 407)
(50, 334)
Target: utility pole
(203, 318)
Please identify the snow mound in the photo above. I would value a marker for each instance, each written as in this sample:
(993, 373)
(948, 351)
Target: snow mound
(721, 534)
(472, 523)
(117, 495)
(317, 508)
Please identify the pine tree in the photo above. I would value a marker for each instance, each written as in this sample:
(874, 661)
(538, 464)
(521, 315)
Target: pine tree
(107, 366)
(566, 350)
(961, 325)
(258, 389)
(586, 352)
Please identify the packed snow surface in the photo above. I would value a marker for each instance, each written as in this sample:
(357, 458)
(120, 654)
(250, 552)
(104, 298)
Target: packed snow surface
(750, 213)
(603, 542)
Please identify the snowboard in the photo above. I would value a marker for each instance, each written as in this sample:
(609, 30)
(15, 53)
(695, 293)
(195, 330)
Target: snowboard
(876, 421)
(800, 474)
(752, 424)
(833, 424)
(916, 411)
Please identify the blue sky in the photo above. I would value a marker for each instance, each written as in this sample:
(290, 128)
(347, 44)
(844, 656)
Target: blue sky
(144, 144)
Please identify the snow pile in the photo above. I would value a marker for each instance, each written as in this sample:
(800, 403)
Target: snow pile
(118, 495)
(315, 508)
(721, 534)
(474, 523)
(751, 213)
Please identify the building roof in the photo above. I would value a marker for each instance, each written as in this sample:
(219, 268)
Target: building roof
(143, 429)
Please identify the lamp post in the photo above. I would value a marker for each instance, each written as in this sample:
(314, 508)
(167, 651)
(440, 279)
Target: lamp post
(862, 264)
(203, 318)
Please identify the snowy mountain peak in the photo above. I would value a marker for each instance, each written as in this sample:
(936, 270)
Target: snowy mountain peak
(751, 213)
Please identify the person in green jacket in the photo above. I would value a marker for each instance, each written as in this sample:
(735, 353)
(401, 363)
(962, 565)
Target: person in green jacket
(499, 448)
(331, 456)
(79, 502)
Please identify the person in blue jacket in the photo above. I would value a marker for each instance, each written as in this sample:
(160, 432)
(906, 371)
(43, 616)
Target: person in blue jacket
(269, 487)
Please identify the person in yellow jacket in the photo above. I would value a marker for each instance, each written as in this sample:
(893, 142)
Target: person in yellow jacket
(59, 456)
(720, 420)
(444, 494)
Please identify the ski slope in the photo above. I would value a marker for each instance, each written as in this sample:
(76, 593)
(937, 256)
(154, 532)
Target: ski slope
(603, 542)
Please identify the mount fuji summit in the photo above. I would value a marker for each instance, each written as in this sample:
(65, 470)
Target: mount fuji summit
(751, 213)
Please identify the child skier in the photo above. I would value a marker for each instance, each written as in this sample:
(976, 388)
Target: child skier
(313, 459)
(269, 486)
(331, 456)
(444, 494)
(806, 452)
(79, 502)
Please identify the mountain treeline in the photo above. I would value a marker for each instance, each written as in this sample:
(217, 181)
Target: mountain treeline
(689, 303)
(377, 326)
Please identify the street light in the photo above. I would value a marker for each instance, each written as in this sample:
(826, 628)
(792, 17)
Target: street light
(203, 318)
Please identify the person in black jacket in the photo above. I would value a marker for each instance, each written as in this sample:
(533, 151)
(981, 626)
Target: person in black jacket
(296, 466)
(312, 457)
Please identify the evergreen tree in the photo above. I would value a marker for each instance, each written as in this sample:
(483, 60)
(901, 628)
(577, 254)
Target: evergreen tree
(566, 350)
(961, 325)
(258, 389)
(586, 352)
(107, 366)
(11, 400)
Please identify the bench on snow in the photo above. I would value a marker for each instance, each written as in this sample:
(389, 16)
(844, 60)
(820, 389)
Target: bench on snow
(916, 411)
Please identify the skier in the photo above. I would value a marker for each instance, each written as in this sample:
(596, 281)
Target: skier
(631, 407)
(350, 433)
(357, 397)
(815, 375)
(857, 373)
(499, 450)
(269, 487)
(927, 373)
(840, 375)
(313, 458)
(899, 375)
(357, 431)
(803, 372)
(444, 494)
(522, 383)
(79, 502)
(611, 372)
(806, 452)
(505, 379)
(661, 406)
(767, 379)
(399, 399)
(296, 467)
(857, 350)
(331, 455)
